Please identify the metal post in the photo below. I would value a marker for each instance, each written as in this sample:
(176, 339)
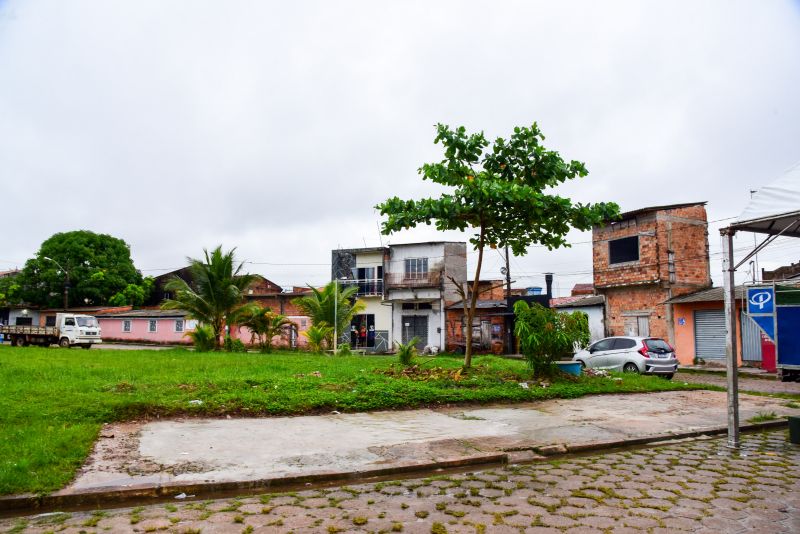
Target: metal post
(509, 321)
(729, 270)
(335, 315)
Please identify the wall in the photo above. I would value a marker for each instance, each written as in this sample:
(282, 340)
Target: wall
(626, 302)
(301, 322)
(435, 323)
(596, 319)
(14, 313)
(455, 333)
(111, 330)
(684, 333)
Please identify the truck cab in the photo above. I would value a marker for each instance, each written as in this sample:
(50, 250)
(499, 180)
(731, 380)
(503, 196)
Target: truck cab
(75, 329)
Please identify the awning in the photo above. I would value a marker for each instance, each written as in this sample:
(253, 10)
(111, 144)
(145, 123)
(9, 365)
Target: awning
(775, 208)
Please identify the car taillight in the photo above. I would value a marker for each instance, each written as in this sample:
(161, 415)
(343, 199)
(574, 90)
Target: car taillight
(643, 352)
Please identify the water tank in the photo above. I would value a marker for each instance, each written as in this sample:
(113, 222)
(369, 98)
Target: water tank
(536, 290)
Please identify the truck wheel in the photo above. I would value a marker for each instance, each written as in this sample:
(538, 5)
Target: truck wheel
(18, 342)
(87, 346)
(63, 343)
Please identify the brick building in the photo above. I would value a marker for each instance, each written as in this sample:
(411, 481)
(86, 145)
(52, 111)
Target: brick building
(645, 258)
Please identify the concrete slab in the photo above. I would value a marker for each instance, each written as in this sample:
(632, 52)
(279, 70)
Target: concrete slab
(223, 450)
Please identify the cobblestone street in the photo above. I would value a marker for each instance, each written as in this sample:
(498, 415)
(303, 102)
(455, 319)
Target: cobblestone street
(697, 486)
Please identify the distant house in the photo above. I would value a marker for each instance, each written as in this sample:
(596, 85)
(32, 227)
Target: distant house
(787, 272)
(645, 258)
(148, 326)
(406, 288)
(261, 291)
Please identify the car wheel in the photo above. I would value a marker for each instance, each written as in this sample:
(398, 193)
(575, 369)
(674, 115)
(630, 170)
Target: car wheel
(667, 377)
(630, 368)
(583, 364)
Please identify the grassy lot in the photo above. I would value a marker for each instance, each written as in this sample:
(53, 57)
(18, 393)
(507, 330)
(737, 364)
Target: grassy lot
(54, 401)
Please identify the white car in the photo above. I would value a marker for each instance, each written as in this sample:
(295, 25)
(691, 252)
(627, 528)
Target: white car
(645, 355)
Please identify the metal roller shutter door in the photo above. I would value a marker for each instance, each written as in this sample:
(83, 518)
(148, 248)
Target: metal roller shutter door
(709, 334)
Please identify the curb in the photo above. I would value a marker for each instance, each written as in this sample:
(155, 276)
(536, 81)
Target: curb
(15, 505)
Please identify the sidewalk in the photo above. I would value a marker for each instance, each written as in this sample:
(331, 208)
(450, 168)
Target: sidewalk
(192, 456)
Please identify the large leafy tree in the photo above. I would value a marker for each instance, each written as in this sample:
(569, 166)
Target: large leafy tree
(217, 295)
(91, 267)
(499, 191)
(331, 306)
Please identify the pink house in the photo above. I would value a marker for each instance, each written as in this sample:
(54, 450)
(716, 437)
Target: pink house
(146, 326)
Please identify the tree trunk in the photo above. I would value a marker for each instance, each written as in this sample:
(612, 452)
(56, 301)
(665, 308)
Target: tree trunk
(472, 303)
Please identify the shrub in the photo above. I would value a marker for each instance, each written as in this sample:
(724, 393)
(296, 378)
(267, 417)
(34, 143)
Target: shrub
(407, 351)
(344, 350)
(546, 335)
(318, 336)
(234, 345)
(203, 338)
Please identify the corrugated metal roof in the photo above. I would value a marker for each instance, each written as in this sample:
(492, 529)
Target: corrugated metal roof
(715, 294)
(481, 305)
(578, 300)
(145, 314)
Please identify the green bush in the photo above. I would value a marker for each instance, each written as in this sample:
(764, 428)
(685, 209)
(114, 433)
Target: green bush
(234, 345)
(344, 350)
(546, 335)
(318, 336)
(203, 338)
(407, 351)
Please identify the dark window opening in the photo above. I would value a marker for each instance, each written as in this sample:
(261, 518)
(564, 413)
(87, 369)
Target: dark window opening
(417, 306)
(623, 250)
(50, 320)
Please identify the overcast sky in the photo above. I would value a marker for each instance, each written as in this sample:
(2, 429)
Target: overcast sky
(275, 127)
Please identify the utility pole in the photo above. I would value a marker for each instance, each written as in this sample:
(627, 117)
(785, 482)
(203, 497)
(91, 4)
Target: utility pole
(66, 281)
(509, 319)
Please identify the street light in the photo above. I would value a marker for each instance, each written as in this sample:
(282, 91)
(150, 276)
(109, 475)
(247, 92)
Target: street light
(66, 281)
(336, 313)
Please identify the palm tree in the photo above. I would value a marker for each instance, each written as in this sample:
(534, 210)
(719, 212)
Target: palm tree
(322, 304)
(265, 325)
(216, 296)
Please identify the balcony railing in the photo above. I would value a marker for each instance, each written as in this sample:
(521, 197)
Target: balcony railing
(366, 288)
(411, 280)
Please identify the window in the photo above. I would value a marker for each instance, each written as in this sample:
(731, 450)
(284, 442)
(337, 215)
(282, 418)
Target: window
(416, 268)
(179, 325)
(622, 343)
(603, 344)
(126, 325)
(417, 306)
(152, 325)
(623, 250)
(69, 321)
(87, 322)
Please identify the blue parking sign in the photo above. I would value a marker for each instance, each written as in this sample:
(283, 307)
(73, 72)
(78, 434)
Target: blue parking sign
(760, 300)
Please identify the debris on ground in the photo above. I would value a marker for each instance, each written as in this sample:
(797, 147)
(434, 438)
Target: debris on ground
(195, 402)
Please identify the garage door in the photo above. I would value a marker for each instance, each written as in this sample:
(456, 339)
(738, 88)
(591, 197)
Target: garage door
(415, 326)
(709, 334)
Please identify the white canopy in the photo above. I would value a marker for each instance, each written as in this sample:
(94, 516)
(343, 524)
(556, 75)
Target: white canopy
(774, 207)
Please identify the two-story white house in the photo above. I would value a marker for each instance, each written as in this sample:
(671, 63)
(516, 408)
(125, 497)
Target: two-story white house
(406, 289)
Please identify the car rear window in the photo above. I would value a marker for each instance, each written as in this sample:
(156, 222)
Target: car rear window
(657, 345)
(622, 343)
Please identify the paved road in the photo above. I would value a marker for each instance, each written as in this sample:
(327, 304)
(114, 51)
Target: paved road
(763, 385)
(697, 486)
